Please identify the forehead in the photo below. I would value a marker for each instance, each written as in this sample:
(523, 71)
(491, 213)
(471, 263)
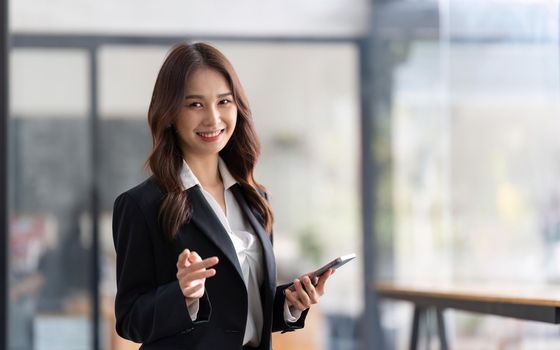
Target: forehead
(206, 80)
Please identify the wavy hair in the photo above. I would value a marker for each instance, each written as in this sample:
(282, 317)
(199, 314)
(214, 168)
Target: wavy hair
(166, 159)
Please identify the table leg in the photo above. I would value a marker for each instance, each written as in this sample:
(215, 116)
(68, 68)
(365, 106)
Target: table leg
(418, 313)
(441, 329)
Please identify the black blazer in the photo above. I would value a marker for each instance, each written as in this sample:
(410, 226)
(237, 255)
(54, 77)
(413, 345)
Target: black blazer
(150, 307)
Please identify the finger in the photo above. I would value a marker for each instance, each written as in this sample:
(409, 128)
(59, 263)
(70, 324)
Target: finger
(203, 264)
(313, 278)
(189, 292)
(290, 296)
(301, 294)
(181, 273)
(310, 289)
(320, 288)
(199, 275)
(194, 257)
(197, 267)
(182, 259)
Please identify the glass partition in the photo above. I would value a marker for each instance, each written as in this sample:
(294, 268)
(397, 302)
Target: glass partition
(475, 191)
(49, 181)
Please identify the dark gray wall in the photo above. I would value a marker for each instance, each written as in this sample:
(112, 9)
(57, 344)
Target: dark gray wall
(51, 167)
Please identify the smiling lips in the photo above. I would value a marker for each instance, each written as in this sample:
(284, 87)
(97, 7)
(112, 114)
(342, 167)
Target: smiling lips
(210, 136)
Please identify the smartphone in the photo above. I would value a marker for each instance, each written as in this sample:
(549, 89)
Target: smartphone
(334, 264)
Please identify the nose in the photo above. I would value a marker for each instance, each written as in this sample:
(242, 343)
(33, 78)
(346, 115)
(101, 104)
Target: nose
(212, 117)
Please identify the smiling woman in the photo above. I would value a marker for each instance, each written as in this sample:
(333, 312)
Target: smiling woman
(195, 264)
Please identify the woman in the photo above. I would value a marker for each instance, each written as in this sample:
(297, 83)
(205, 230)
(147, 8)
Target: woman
(195, 265)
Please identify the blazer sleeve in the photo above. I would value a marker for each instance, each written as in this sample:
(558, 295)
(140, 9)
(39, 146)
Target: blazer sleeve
(145, 310)
(278, 322)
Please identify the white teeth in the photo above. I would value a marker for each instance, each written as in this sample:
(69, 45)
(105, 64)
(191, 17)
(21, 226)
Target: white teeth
(210, 134)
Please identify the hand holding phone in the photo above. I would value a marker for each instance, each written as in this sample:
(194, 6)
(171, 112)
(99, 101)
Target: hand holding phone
(334, 264)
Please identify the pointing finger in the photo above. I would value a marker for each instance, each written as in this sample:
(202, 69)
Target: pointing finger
(203, 264)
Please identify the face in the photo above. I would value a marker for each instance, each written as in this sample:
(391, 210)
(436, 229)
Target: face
(208, 116)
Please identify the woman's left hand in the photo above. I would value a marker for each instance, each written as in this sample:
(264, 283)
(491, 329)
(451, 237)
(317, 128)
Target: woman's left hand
(305, 293)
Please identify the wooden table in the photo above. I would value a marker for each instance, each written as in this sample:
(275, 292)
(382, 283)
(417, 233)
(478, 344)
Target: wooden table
(534, 303)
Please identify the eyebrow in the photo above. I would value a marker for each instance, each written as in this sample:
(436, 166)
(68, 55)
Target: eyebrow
(200, 97)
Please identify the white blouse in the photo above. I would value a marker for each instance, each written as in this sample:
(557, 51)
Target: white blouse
(248, 248)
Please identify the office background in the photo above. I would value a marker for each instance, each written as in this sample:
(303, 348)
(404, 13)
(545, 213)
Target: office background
(420, 134)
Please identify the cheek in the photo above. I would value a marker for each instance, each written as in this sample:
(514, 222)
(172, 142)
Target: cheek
(185, 121)
(180, 135)
(232, 119)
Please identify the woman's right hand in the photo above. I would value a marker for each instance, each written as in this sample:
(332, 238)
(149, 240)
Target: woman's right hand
(192, 272)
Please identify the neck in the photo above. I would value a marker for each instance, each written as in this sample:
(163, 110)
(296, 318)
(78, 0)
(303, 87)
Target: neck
(205, 169)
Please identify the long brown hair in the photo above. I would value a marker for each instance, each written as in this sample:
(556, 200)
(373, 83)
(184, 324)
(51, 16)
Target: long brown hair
(166, 159)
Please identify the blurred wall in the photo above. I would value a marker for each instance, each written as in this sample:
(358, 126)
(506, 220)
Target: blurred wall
(331, 18)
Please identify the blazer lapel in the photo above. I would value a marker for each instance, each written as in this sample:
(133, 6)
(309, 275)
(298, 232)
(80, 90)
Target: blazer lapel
(261, 233)
(204, 217)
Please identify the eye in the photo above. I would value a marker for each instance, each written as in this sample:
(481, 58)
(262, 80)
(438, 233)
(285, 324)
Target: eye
(225, 101)
(195, 104)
